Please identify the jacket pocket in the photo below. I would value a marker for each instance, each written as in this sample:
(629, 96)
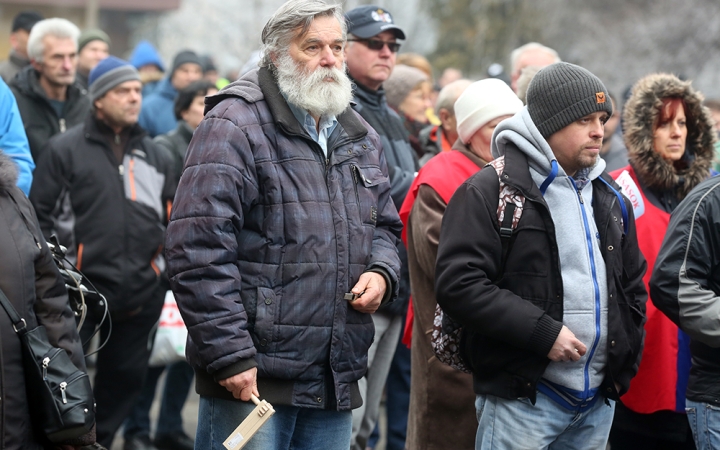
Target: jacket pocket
(265, 317)
(365, 184)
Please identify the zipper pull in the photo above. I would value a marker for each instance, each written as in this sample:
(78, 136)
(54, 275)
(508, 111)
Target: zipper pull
(121, 169)
(63, 386)
(580, 196)
(45, 364)
(354, 174)
(62, 126)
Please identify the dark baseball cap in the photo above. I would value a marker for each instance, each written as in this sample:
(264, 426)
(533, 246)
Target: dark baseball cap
(368, 21)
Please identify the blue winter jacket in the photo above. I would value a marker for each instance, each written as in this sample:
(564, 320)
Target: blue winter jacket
(267, 236)
(157, 115)
(13, 141)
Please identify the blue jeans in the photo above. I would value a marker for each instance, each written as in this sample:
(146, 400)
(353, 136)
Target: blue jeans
(517, 424)
(704, 420)
(289, 428)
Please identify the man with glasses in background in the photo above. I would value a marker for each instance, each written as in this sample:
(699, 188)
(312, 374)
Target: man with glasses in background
(370, 54)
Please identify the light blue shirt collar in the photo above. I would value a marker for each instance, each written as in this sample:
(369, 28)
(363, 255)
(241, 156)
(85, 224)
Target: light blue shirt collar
(327, 125)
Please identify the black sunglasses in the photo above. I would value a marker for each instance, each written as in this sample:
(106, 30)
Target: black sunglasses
(377, 44)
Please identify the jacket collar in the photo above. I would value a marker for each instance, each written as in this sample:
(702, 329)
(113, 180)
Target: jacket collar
(8, 172)
(93, 131)
(369, 97)
(28, 81)
(284, 117)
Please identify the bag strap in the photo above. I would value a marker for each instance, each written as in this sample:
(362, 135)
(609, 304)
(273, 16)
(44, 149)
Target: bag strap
(19, 324)
(506, 232)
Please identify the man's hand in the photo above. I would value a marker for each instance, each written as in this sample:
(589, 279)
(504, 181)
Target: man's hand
(242, 384)
(370, 290)
(566, 347)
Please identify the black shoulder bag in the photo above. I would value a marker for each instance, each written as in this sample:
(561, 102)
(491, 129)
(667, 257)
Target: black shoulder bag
(61, 398)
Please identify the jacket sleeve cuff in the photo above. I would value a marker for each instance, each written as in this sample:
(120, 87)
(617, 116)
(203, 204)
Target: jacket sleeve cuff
(389, 288)
(234, 369)
(545, 334)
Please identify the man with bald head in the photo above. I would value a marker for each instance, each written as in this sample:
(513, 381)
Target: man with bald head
(530, 54)
(440, 138)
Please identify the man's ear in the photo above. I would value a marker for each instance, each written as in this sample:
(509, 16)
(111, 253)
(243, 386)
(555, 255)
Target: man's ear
(444, 116)
(13, 41)
(36, 65)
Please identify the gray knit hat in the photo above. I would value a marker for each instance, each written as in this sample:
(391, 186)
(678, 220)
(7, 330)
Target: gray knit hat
(401, 82)
(562, 93)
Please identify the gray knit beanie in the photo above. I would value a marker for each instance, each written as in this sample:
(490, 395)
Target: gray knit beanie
(401, 82)
(562, 93)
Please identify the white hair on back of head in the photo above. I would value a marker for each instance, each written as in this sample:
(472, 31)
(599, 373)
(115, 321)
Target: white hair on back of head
(518, 52)
(294, 19)
(58, 27)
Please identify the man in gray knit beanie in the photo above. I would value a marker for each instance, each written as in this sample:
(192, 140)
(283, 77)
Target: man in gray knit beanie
(549, 288)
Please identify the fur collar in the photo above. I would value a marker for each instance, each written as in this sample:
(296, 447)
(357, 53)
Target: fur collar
(8, 172)
(641, 112)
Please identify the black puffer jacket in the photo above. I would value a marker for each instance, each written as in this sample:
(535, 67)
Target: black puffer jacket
(685, 284)
(30, 280)
(267, 235)
(39, 117)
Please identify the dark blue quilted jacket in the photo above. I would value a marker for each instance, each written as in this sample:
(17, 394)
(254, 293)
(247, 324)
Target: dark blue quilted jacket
(266, 237)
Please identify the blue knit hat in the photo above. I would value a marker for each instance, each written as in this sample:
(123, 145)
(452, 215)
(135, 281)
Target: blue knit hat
(110, 72)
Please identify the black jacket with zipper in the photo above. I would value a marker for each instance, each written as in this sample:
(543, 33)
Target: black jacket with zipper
(119, 210)
(511, 324)
(39, 117)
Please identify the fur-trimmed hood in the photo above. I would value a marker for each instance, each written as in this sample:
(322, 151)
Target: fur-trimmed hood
(8, 172)
(641, 112)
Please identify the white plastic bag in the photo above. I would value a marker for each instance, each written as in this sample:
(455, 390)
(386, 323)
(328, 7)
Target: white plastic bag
(169, 344)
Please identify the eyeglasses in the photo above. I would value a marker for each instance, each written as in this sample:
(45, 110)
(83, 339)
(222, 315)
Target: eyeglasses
(377, 44)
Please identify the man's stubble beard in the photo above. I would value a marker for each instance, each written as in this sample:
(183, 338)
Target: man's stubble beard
(309, 91)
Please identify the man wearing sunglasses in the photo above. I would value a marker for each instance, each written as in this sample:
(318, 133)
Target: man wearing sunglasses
(370, 55)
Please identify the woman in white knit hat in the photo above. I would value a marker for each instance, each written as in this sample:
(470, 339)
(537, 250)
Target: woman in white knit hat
(442, 398)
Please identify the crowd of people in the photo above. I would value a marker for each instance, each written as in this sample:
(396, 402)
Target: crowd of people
(505, 263)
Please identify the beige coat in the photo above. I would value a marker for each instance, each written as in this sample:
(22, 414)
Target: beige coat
(442, 401)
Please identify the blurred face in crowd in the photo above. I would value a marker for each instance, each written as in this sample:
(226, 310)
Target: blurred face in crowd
(577, 146)
(120, 106)
(417, 102)
(91, 55)
(186, 74)
(194, 114)
(18, 42)
(480, 141)
(59, 61)
(671, 131)
(535, 57)
(312, 72)
(371, 67)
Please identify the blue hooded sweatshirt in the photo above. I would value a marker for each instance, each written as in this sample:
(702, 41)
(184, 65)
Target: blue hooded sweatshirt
(13, 140)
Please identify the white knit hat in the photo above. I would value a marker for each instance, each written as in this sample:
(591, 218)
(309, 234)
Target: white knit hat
(482, 102)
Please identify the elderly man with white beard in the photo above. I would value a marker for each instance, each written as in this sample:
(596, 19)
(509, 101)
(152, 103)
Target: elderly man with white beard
(282, 241)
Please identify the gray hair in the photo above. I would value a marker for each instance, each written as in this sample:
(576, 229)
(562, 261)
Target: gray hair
(60, 28)
(518, 52)
(294, 15)
(523, 82)
(449, 95)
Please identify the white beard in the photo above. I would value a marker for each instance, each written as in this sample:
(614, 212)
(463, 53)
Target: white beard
(310, 91)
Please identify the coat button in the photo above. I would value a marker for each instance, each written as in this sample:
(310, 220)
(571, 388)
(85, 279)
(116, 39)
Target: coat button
(349, 152)
(263, 343)
(364, 145)
(319, 399)
(610, 248)
(609, 390)
(529, 385)
(615, 217)
(612, 343)
(268, 301)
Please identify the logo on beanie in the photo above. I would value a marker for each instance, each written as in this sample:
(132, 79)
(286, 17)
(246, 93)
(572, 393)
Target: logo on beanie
(381, 16)
(600, 97)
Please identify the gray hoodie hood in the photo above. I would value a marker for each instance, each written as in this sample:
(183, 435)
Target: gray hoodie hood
(519, 130)
(582, 266)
